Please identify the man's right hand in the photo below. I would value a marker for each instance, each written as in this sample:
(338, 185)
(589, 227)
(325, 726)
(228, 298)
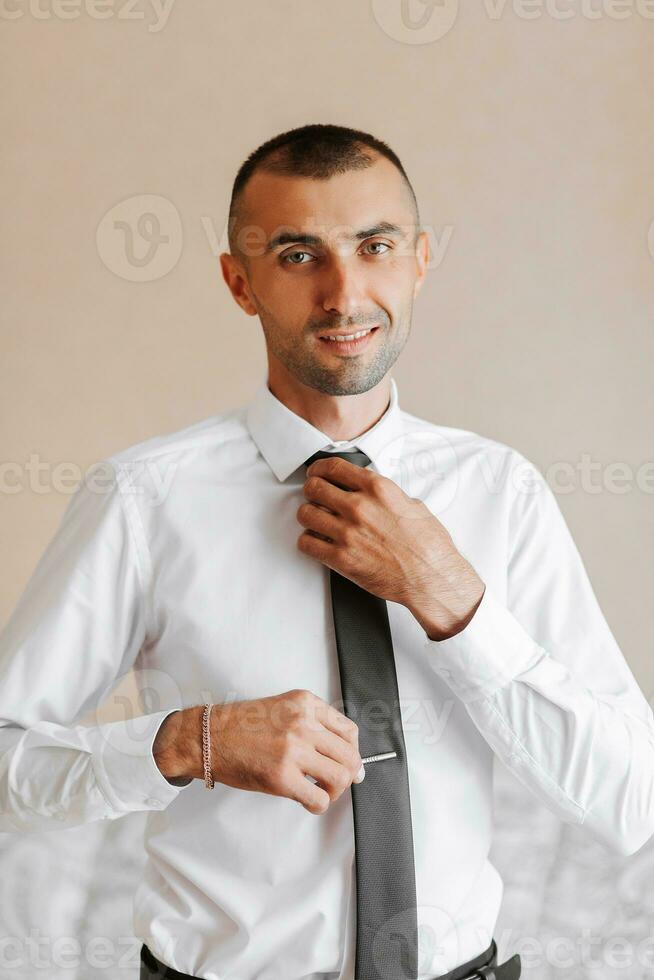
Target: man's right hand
(269, 745)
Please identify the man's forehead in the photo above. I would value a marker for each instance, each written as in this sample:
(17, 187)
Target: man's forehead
(352, 200)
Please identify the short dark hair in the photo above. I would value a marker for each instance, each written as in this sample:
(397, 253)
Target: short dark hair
(318, 150)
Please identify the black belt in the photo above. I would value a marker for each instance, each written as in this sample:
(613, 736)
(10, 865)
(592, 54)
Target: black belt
(481, 967)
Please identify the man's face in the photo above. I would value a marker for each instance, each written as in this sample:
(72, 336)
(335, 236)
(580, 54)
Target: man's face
(330, 257)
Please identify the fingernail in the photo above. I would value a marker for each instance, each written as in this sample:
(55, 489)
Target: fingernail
(361, 775)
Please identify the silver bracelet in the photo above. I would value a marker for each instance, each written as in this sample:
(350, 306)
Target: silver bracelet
(206, 746)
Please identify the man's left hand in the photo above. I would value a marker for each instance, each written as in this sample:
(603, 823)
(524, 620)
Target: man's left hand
(387, 543)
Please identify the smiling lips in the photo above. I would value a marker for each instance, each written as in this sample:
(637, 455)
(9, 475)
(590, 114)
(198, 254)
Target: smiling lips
(344, 343)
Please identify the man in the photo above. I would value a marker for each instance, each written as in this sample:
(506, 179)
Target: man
(431, 571)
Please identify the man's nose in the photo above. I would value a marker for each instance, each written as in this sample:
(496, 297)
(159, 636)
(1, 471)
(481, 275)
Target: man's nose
(342, 288)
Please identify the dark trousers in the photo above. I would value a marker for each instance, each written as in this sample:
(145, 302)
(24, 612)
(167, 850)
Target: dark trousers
(481, 967)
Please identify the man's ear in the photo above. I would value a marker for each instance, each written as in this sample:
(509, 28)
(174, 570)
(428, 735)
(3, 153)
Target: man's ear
(236, 279)
(422, 261)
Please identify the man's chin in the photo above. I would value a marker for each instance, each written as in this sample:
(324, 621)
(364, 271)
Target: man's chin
(338, 384)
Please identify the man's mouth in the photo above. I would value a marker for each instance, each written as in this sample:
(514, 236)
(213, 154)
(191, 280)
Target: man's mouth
(347, 342)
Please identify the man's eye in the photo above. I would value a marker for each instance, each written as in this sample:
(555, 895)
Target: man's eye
(289, 255)
(380, 243)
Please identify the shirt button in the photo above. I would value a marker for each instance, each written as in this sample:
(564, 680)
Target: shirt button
(152, 802)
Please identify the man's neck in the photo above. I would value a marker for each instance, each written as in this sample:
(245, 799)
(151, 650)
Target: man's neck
(341, 417)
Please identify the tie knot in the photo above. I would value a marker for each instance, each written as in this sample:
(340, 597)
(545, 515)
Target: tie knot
(356, 456)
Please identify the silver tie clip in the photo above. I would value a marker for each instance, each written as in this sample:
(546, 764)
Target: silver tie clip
(377, 758)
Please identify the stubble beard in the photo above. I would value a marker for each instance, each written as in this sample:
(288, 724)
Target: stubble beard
(353, 376)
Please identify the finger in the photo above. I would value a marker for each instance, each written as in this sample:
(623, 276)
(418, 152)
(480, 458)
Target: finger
(312, 796)
(323, 521)
(339, 749)
(345, 729)
(335, 721)
(341, 471)
(324, 551)
(321, 491)
(331, 776)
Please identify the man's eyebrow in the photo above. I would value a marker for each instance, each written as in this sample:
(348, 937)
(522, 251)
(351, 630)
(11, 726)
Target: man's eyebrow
(287, 238)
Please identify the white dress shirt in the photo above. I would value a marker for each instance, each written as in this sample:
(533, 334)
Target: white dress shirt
(181, 562)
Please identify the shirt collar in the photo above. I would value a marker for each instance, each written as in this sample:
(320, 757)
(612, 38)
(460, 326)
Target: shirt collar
(286, 440)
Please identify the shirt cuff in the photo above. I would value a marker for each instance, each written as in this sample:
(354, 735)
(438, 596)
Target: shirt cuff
(487, 654)
(125, 767)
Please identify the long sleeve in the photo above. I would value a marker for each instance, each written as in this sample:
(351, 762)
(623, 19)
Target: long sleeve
(75, 631)
(547, 685)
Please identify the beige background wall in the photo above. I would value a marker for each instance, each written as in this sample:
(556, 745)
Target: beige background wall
(530, 146)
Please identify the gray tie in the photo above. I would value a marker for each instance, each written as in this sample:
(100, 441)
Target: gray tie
(387, 928)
